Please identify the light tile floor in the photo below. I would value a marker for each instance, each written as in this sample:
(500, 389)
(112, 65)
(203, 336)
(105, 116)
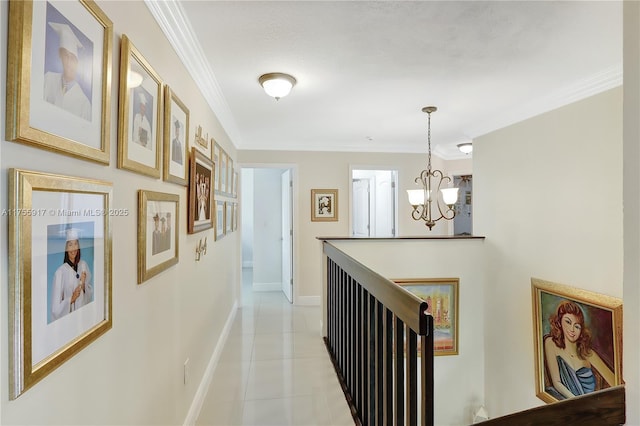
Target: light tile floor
(274, 368)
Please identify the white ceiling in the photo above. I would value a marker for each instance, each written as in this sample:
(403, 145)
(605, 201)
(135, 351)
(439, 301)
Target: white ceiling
(366, 68)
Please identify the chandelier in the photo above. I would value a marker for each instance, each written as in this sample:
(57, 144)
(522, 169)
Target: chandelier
(425, 201)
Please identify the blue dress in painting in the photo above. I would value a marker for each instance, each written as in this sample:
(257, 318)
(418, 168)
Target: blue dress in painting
(579, 382)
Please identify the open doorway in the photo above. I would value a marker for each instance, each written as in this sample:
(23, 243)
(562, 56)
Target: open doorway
(267, 229)
(374, 199)
(463, 221)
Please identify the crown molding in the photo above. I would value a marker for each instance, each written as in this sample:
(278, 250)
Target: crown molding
(176, 26)
(606, 79)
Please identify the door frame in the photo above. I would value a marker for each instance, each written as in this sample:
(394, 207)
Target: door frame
(294, 222)
(353, 167)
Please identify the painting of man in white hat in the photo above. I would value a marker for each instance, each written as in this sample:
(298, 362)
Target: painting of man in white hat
(141, 133)
(68, 72)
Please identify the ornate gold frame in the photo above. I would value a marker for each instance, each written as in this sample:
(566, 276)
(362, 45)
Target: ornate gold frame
(19, 70)
(144, 197)
(603, 306)
(23, 285)
(169, 97)
(128, 52)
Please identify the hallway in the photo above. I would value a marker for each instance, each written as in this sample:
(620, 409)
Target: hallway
(274, 369)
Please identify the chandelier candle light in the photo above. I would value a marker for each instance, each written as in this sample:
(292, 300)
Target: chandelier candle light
(422, 199)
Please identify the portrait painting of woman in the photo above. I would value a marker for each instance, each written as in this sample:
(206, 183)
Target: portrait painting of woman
(578, 342)
(70, 285)
(571, 361)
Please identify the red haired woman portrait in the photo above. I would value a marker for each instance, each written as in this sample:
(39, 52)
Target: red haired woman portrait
(573, 366)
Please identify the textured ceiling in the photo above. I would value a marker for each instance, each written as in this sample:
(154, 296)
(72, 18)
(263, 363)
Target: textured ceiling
(365, 69)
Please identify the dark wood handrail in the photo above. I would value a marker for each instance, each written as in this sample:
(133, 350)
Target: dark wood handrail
(602, 408)
(380, 340)
(403, 303)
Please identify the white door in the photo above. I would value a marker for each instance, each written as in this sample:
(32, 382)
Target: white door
(287, 236)
(385, 205)
(361, 208)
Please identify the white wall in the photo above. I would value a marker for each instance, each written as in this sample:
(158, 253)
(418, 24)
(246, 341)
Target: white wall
(133, 373)
(631, 156)
(458, 379)
(332, 170)
(548, 199)
(246, 213)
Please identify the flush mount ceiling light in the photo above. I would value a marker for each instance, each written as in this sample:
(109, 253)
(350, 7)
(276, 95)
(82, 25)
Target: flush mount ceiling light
(434, 191)
(277, 84)
(466, 147)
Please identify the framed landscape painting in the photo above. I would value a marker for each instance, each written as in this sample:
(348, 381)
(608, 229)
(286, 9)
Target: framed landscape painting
(59, 271)
(49, 40)
(577, 340)
(441, 296)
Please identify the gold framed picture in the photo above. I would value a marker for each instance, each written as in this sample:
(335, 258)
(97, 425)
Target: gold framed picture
(59, 77)
(200, 206)
(224, 162)
(235, 184)
(228, 217)
(324, 205)
(577, 340)
(59, 271)
(217, 158)
(441, 295)
(140, 113)
(176, 136)
(230, 170)
(158, 223)
(220, 220)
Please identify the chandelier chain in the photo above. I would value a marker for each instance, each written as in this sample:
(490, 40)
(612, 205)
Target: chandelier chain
(429, 140)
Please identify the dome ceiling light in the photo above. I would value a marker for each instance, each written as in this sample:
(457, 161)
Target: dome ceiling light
(277, 84)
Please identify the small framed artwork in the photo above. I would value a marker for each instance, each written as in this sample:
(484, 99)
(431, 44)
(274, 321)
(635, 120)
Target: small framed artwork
(200, 192)
(234, 217)
(230, 177)
(201, 140)
(228, 217)
(441, 296)
(577, 340)
(224, 161)
(220, 220)
(140, 108)
(217, 155)
(235, 184)
(50, 43)
(158, 224)
(59, 271)
(324, 205)
(176, 135)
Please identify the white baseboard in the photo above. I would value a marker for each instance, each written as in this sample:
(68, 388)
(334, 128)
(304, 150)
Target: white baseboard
(247, 264)
(267, 286)
(203, 387)
(308, 300)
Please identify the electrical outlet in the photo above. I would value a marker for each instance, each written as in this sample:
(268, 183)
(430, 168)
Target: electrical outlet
(186, 371)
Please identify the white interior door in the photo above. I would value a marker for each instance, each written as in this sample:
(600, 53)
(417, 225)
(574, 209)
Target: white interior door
(287, 236)
(385, 205)
(361, 208)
